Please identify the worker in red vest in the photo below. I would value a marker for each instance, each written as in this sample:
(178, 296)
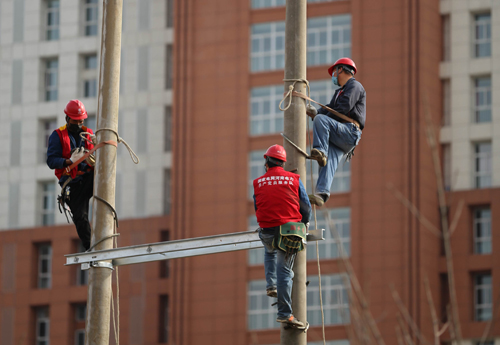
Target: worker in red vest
(282, 209)
(64, 148)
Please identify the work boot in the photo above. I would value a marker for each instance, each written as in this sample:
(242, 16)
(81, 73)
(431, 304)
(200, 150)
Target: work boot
(292, 321)
(318, 156)
(317, 199)
(272, 292)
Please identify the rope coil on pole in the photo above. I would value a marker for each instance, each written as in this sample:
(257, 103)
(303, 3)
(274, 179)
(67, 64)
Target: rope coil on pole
(291, 92)
(93, 140)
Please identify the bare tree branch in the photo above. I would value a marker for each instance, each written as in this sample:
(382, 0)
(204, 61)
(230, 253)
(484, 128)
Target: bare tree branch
(404, 329)
(456, 217)
(408, 204)
(407, 316)
(431, 138)
(399, 335)
(435, 321)
(355, 282)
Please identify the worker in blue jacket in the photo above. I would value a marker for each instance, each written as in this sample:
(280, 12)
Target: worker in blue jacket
(333, 136)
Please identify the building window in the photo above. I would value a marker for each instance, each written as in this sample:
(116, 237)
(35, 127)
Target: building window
(446, 22)
(164, 264)
(255, 169)
(335, 300)
(46, 128)
(268, 46)
(255, 256)
(89, 76)
(482, 35)
(51, 80)
(80, 314)
(82, 276)
(446, 92)
(482, 230)
(328, 249)
(44, 278)
(163, 329)
(341, 181)
(168, 129)
(261, 315)
(170, 14)
(167, 191)
(482, 99)
(482, 297)
(42, 326)
(328, 39)
(91, 122)
(48, 201)
(90, 16)
(482, 165)
(265, 116)
(52, 20)
(169, 61)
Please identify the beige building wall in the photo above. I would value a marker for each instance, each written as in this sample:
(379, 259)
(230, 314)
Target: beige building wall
(459, 68)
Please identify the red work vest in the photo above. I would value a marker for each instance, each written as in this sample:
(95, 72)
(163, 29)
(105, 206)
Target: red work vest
(66, 149)
(277, 198)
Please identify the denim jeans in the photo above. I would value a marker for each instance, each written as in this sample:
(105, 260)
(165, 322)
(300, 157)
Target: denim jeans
(279, 274)
(334, 139)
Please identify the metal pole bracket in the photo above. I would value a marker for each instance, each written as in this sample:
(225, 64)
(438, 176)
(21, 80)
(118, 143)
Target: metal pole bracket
(97, 264)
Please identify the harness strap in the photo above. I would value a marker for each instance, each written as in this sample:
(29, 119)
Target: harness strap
(342, 116)
(101, 144)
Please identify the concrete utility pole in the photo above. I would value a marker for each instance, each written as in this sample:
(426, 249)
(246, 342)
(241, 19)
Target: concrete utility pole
(99, 292)
(295, 129)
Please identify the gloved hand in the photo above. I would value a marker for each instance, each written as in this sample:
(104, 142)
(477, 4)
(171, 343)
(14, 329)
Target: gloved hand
(77, 154)
(311, 111)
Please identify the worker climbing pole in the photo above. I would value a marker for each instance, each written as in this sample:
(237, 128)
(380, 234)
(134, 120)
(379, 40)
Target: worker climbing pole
(295, 129)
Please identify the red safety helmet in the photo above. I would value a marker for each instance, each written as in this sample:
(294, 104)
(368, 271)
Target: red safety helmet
(75, 110)
(343, 61)
(276, 151)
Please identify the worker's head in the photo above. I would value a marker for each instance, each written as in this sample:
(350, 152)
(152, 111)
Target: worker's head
(275, 156)
(342, 70)
(75, 115)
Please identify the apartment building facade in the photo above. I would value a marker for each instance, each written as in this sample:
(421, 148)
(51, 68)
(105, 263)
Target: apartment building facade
(412, 57)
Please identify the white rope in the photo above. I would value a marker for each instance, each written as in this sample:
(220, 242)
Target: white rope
(290, 90)
(93, 140)
(116, 316)
(317, 244)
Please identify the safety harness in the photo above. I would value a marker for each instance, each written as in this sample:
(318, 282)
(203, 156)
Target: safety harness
(65, 190)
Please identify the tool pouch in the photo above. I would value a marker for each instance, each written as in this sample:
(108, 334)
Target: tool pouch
(291, 237)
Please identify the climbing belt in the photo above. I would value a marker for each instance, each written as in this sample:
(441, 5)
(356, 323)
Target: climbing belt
(289, 95)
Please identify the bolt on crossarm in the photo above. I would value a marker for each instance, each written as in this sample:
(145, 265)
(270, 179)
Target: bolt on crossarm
(295, 129)
(100, 290)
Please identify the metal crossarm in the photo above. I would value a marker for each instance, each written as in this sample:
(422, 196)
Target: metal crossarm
(177, 249)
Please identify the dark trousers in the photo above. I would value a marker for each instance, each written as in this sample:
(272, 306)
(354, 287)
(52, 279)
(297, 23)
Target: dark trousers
(80, 193)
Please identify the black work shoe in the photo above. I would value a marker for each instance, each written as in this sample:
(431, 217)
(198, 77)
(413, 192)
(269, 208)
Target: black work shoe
(316, 199)
(291, 321)
(318, 156)
(272, 292)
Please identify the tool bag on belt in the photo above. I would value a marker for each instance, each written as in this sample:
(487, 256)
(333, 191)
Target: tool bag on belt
(290, 238)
